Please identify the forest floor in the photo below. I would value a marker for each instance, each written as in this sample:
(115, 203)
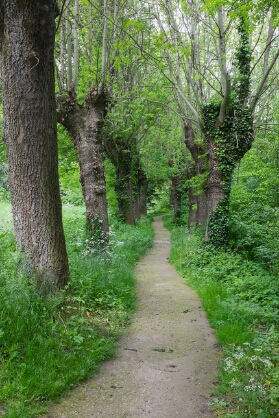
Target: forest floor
(167, 362)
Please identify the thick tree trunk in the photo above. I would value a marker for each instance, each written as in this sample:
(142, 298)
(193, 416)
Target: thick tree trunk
(124, 187)
(140, 206)
(192, 198)
(137, 207)
(29, 132)
(229, 134)
(227, 144)
(215, 191)
(197, 198)
(84, 125)
(202, 209)
(121, 158)
(178, 183)
(217, 226)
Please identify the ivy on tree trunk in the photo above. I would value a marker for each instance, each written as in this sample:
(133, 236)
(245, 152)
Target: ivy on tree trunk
(227, 143)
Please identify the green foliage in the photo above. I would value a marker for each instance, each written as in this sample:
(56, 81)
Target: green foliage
(218, 223)
(68, 170)
(254, 208)
(241, 300)
(243, 62)
(48, 344)
(110, 182)
(198, 182)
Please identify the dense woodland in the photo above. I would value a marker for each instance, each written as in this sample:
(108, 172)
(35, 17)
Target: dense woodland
(112, 111)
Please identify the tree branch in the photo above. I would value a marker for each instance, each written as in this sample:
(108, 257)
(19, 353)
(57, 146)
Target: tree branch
(261, 86)
(104, 49)
(1, 37)
(224, 72)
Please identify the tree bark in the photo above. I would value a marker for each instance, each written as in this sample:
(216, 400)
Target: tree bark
(175, 204)
(121, 157)
(140, 187)
(199, 168)
(84, 124)
(143, 196)
(124, 187)
(69, 47)
(192, 198)
(178, 180)
(29, 132)
(218, 220)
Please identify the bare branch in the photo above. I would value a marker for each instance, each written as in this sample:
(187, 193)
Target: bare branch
(104, 49)
(1, 38)
(226, 79)
(261, 55)
(262, 84)
(268, 43)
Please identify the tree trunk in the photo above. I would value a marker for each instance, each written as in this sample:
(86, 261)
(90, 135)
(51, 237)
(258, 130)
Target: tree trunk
(140, 206)
(174, 201)
(84, 125)
(199, 169)
(192, 198)
(229, 134)
(29, 132)
(218, 200)
(143, 197)
(124, 187)
(120, 156)
(178, 183)
(227, 144)
(69, 46)
(137, 207)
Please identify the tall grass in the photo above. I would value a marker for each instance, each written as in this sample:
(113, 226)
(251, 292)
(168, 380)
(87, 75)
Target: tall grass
(241, 300)
(48, 344)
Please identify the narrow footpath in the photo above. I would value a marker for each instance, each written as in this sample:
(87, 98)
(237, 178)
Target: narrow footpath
(166, 365)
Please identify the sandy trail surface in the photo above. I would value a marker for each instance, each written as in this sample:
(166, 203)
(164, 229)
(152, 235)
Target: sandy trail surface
(166, 363)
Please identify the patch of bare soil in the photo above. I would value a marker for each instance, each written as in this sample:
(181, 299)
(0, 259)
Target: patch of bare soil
(166, 363)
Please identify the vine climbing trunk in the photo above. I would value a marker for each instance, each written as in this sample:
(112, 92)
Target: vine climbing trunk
(228, 125)
(84, 125)
(192, 198)
(218, 195)
(227, 144)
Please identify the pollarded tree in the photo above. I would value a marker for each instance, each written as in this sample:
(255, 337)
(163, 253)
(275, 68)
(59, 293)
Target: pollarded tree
(132, 114)
(83, 108)
(217, 91)
(182, 57)
(127, 125)
(29, 131)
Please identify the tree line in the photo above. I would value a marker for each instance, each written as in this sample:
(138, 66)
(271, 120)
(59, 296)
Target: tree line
(168, 90)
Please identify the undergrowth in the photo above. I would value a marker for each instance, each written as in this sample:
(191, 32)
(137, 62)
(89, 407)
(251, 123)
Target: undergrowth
(48, 344)
(241, 300)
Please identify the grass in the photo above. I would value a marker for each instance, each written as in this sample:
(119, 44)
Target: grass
(241, 300)
(48, 344)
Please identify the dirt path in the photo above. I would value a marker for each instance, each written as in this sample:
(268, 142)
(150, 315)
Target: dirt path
(166, 364)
